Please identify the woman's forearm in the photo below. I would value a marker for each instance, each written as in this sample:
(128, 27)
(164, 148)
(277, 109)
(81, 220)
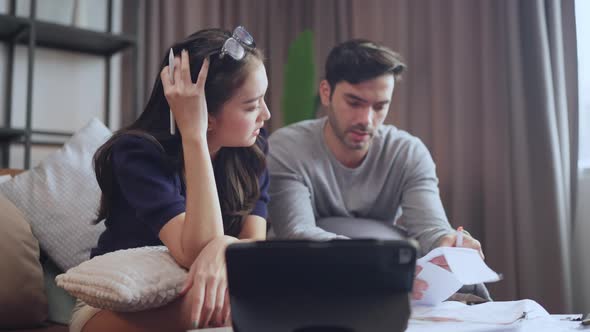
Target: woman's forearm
(254, 228)
(203, 220)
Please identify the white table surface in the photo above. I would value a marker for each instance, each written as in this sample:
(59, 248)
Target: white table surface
(554, 323)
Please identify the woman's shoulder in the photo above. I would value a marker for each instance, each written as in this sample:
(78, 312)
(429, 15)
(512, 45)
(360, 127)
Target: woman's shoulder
(138, 149)
(136, 142)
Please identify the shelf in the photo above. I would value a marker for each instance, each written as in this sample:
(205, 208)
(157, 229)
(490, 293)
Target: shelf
(10, 134)
(63, 37)
(51, 132)
(75, 39)
(38, 136)
(35, 34)
(37, 143)
(11, 26)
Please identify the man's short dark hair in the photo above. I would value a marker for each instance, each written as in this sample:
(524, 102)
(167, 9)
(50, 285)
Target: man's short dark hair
(359, 60)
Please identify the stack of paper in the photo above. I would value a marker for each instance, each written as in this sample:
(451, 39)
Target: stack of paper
(487, 313)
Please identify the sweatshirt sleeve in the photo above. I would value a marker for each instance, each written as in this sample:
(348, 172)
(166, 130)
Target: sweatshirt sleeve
(423, 214)
(291, 213)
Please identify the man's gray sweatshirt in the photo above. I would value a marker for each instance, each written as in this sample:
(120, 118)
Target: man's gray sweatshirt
(308, 184)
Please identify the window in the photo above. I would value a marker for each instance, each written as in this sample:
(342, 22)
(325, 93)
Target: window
(583, 35)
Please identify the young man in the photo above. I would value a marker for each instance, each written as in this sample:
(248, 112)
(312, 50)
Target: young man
(348, 174)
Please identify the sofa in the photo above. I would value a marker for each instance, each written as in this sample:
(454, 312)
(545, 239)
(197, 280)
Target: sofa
(46, 218)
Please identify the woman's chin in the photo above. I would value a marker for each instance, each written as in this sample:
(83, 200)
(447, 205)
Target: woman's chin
(244, 144)
(252, 141)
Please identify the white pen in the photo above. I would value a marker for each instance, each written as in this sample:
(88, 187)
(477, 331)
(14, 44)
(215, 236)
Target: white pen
(171, 72)
(459, 242)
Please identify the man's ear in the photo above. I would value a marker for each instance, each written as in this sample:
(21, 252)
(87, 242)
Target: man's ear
(325, 91)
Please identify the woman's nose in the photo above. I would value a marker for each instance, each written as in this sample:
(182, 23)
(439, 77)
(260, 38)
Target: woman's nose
(265, 112)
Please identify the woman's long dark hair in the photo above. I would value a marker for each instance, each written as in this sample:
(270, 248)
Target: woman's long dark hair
(236, 169)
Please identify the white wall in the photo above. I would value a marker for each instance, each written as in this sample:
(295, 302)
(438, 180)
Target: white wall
(68, 87)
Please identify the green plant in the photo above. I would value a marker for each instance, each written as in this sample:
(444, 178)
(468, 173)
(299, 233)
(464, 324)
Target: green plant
(299, 100)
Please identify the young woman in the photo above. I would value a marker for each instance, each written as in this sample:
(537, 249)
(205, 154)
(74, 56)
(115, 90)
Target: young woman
(195, 191)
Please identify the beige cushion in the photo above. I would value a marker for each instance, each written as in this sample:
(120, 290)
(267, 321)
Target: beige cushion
(22, 296)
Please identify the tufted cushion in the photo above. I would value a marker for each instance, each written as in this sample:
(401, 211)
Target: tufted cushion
(126, 280)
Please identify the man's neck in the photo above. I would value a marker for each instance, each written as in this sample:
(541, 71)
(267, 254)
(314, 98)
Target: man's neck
(347, 157)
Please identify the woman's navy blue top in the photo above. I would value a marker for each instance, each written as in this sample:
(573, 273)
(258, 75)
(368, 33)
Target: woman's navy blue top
(148, 192)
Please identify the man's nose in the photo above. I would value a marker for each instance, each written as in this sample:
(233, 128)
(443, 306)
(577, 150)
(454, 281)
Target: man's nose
(365, 116)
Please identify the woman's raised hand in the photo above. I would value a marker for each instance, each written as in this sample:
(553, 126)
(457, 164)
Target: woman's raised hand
(185, 98)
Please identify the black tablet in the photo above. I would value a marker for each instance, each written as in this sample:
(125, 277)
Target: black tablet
(352, 285)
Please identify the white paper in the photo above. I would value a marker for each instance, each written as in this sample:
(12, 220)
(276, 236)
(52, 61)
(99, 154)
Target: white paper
(467, 268)
(465, 263)
(501, 313)
(441, 284)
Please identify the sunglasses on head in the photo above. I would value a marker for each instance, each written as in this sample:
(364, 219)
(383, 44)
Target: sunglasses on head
(235, 45)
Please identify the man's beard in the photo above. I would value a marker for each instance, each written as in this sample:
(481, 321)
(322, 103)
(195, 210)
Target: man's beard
(341, 134)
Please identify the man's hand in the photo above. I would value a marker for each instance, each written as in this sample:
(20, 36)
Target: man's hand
(450, 240)
(420, 285)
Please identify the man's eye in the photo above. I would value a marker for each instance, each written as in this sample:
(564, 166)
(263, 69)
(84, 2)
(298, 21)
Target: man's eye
(380, 107)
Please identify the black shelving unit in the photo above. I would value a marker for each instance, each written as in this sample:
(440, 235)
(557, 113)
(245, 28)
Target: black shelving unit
(37, 33)
(11, 26)
(10, 134)
(67, 38)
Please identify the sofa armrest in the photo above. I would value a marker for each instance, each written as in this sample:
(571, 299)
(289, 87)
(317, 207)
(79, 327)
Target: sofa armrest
(10, 171)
